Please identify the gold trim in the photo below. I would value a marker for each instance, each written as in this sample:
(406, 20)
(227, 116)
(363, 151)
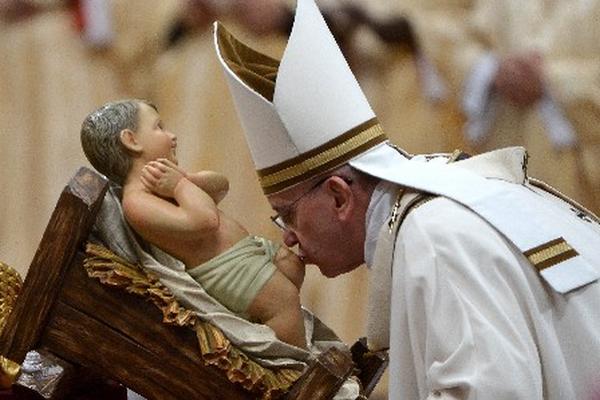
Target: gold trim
(325, 157)
(10, 287)
(398, 215)
(454, 156)
(395, 208)
(9, 371)
(338, 140)
(255, 69)
(550, 253)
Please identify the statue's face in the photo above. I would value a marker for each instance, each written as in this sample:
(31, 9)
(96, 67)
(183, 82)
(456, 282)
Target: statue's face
(156, 141)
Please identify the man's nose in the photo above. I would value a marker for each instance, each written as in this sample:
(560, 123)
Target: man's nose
(289, 238)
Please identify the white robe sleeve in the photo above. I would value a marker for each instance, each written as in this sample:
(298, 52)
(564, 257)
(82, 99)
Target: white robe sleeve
(458, 327)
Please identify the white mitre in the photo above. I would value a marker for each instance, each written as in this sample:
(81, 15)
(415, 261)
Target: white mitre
(304, 115)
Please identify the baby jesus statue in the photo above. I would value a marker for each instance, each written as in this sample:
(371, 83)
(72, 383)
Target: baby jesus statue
(178, 212)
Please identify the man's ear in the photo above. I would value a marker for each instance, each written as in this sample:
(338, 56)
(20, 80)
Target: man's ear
(129, 140)
(342, 195)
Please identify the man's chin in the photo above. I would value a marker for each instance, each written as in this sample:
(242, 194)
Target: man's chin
(334, 271)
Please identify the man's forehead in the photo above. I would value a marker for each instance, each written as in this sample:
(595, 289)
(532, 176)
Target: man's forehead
(285, 197)
(279, 200)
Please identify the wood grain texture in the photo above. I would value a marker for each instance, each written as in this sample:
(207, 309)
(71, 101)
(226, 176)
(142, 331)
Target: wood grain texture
(69, 225)
(102, 348)
(130, 315)
(129, 332)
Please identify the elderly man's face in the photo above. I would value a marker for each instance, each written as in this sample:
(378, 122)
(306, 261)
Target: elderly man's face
(323, 220)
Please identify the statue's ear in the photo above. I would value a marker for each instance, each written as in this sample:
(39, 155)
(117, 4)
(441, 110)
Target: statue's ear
(129, 140)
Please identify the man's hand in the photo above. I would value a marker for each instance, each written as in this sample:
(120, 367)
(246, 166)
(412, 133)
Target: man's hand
(520, 79)
(161, 177)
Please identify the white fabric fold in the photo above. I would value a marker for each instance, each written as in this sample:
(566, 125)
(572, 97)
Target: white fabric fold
(452, 296)
(378, 212)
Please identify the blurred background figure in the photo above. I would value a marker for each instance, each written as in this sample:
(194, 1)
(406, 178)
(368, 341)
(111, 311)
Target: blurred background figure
(525, 74)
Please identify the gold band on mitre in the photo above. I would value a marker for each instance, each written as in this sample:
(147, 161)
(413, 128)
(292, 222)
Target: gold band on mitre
(323, 158)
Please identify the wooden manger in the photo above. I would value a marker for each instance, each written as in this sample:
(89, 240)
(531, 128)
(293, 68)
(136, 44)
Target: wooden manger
(121, 336)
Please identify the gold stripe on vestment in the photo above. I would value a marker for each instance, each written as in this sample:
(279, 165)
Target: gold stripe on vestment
(550, 253)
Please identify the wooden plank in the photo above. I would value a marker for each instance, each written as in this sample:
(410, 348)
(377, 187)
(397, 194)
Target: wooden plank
(105, 350)
(324, 377)
(322, 381)
(140, 322)
(131, 316)
(112, 332)
(69, 225)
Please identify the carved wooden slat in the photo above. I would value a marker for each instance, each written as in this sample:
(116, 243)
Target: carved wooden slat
(69, 225)
(101, 348)
(128, 314)
(148, 341)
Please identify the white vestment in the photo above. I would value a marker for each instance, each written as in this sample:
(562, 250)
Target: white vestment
(471, 318)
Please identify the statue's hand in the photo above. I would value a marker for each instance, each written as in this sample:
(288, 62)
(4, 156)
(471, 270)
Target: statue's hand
(161, 177)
